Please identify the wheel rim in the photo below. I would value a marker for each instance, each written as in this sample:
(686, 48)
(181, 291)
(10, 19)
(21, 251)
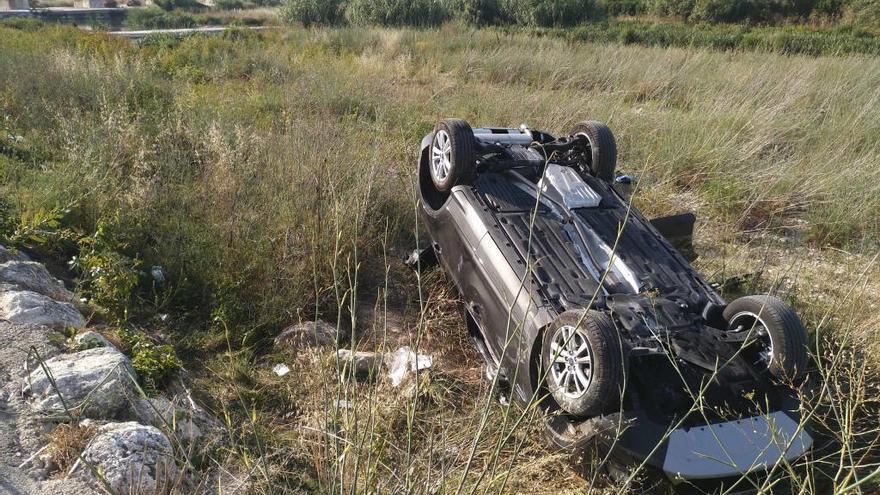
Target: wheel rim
(441, 156)
(748, 321)
(572, 361)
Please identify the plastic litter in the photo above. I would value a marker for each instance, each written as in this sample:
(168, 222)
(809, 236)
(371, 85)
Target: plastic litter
(281, 369)
(404, 360)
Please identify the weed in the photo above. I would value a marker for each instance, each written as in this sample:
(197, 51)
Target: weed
(67, 441)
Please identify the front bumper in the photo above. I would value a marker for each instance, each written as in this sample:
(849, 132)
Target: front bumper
(734, 448)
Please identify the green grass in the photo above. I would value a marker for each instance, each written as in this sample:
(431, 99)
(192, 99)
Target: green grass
(271, 176)
(782, 39)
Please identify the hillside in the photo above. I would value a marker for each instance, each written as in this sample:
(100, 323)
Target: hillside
(215, 190)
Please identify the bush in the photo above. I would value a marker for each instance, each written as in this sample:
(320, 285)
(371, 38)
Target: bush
(623, 7)
(108, 276)
(681, 8)
(397, 12)
(865, 14)
(154, 363)
(178, 4)
(547, 13)
(22, 23)
(229, 4)
(480, 12)
(309, 12)
(153, 18)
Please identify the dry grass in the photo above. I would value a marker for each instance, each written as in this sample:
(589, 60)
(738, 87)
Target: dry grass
(66, 442)
(271, 175)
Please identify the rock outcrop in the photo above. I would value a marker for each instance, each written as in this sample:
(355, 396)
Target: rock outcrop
(34, 277)
(7, 254)
(31, 308)
(131, 458)
(96, 383)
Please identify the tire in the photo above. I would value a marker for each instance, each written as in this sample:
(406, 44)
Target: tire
(452, 154)
(602, 157)
(605, 371)
(778, 326)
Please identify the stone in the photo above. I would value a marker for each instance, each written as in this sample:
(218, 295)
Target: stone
(364, 364)
(91, 339)
(97, 383)
(7, 254)
(31, 308)
(34, 277)
(186, 421)
(310, 333)
(131, 457)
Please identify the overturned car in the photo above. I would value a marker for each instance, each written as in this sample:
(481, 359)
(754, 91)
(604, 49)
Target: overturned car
(585, 307)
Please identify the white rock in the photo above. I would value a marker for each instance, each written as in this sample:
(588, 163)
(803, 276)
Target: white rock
(30, 308)
(309, 333)
(32, 276)
(132, 458)
(96, 383)
(186, 421)
(92, 339)
(364, 364)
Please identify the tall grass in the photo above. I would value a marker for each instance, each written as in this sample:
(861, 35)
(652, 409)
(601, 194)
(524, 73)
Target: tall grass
(271, 176)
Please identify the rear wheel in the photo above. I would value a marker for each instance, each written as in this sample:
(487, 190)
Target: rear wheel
(452, 153)
(584, 362)
(779, 339)
(601, 159)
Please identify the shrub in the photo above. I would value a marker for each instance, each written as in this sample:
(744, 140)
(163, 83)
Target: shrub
(623, 7)
(309, 12)
(22, 23)
(229, 4)
(480, 12)
(681, 8)
(397, 12)
(546, 13)
(153, 18)
(178, 4)
(108, 277)
(154, 363)
(865, 14)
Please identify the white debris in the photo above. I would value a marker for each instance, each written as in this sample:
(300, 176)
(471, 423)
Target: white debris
(404, 361)
(281, 369)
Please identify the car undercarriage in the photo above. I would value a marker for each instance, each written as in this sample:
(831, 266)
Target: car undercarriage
(585, 307)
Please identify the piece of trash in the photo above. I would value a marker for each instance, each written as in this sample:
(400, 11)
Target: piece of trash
(281, 369)
(158, 274)
(405, 360)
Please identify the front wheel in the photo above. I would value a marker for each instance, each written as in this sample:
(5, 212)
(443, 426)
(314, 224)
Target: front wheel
(600, 159)
(583, 359)
(452, 153)
(779, 343)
